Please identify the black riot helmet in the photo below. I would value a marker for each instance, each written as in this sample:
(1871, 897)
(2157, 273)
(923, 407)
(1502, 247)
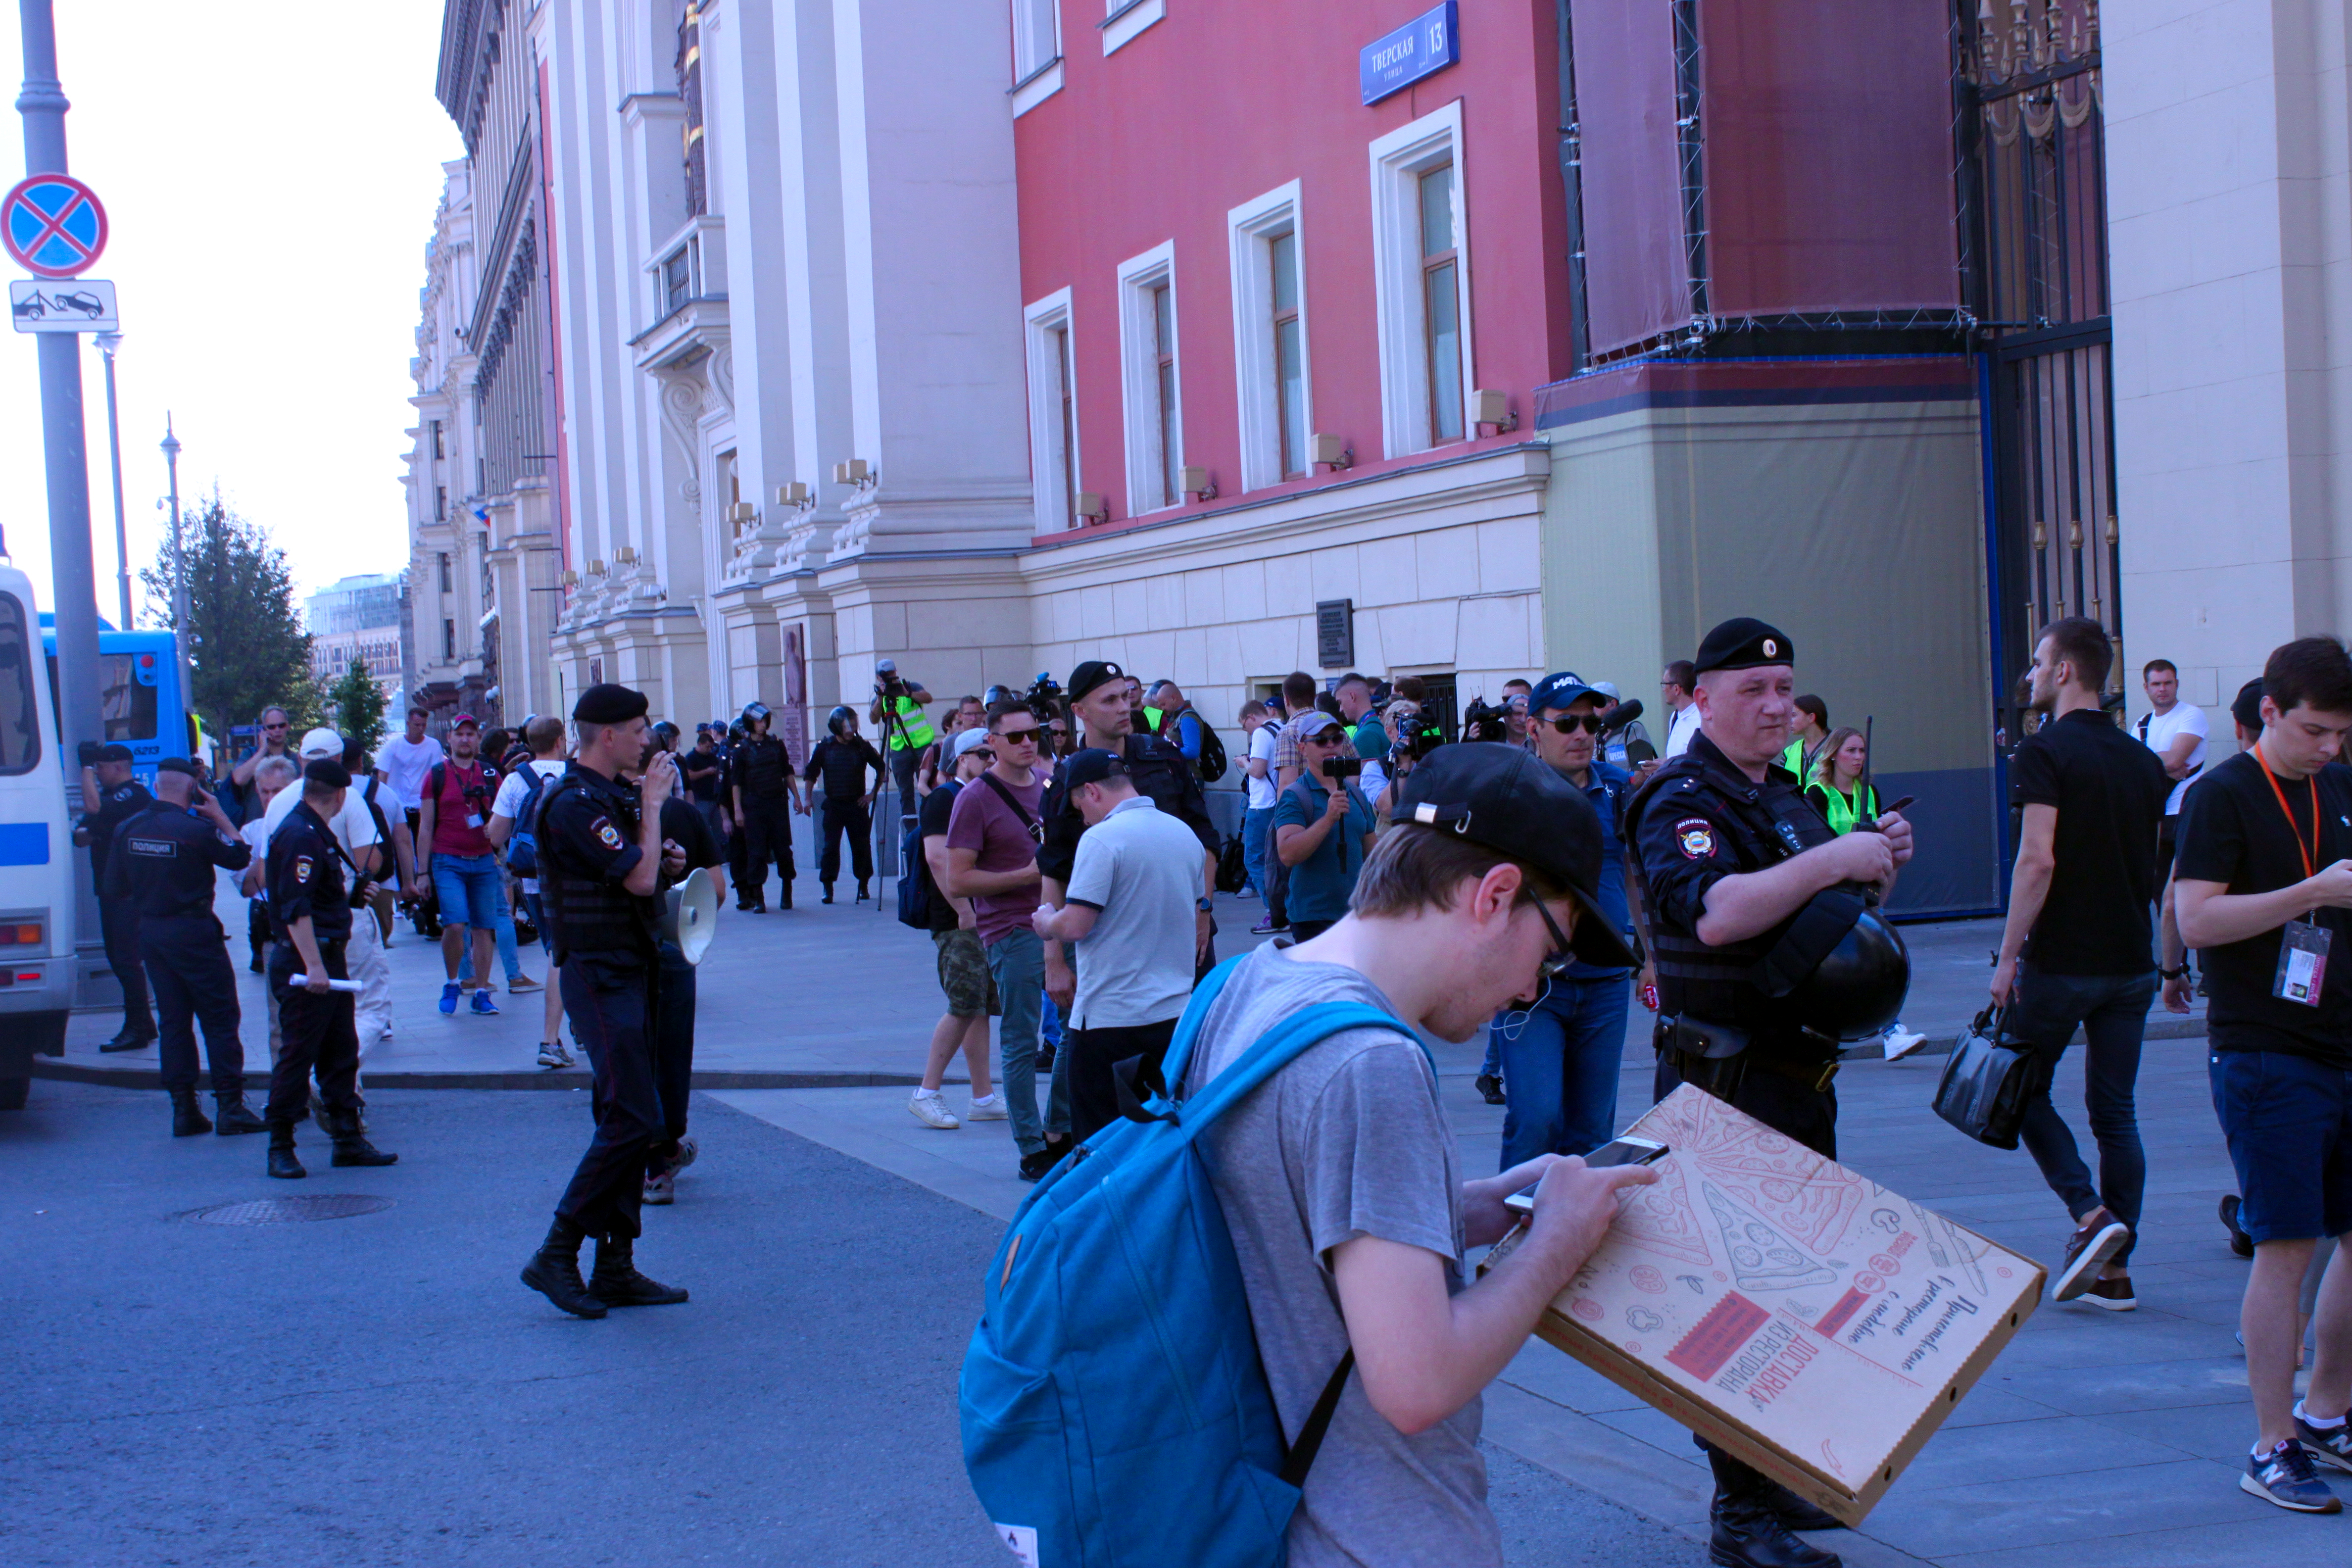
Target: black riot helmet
(753, 713)
(839, 720)
(1857, 989)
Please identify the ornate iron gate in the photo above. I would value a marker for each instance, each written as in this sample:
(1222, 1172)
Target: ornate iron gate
(2035, 265)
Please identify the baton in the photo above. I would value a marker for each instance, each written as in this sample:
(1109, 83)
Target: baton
(298, 982)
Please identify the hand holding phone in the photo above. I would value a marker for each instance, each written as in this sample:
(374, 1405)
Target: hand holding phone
(1628, 1151)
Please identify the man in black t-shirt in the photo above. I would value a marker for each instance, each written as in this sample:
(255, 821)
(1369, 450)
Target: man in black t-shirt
(2092, 802)
(2261, 882)
(965, 975)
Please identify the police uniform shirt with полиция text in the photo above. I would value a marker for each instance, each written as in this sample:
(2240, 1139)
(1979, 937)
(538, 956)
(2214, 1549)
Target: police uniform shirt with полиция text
(1162, 775)
(306, 878)
(587, 845)
(1699, 820)
(165, 860)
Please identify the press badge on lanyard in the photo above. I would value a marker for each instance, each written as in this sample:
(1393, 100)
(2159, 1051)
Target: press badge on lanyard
(2303, 945)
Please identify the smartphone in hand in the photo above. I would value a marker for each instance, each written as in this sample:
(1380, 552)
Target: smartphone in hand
(1616, 1152)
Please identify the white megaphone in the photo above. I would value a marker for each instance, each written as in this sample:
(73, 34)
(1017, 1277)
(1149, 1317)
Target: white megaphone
(691, 917)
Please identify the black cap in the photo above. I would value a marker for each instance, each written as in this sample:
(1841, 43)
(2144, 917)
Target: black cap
(326, 772)
(1093, 673)
(2246, 709)
(118, 753)
(1505, 799)
(1743, 643)
(1093, 765)
(176, 765)
(608, 704)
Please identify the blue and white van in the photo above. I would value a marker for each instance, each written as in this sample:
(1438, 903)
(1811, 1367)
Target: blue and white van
(37, 858)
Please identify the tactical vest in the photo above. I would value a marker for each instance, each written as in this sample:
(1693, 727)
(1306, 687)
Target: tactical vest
(912, 732)
(588, 912)
(761, 767)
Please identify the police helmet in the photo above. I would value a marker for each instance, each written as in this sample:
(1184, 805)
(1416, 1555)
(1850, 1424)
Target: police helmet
(754, 712)
(838, 719)
(1858, 989)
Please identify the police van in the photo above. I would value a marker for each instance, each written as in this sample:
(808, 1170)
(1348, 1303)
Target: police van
(36, 861)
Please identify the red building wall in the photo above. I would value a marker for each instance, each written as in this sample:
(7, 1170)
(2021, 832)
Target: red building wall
(1225, 100)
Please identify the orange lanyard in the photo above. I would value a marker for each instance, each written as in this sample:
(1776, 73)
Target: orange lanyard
(2294, 826)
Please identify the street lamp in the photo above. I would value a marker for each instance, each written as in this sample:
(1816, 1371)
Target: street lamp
(179, 567)
(107, 343)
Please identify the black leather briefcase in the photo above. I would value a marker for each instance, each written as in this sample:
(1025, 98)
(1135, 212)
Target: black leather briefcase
(1987, 1082)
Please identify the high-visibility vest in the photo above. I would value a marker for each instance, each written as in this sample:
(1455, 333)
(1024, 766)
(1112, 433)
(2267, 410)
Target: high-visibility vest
(1793, 759)
(912, 732)
(1843, 813)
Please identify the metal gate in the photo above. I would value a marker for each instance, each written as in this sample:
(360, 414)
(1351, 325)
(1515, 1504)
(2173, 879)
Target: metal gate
(2034, 264)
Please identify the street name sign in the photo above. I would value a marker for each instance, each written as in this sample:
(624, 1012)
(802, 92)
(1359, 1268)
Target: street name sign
(1423, 47)
(80, 305)
(52, 225)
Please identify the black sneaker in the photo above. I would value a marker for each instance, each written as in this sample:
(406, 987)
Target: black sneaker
(1034, 1166)
(1045, 1058)
(1491, 1087)
(2240, 1242)
(2285, 1476)
(2114, 1295)
(2328, 1445)
(2091, 1249)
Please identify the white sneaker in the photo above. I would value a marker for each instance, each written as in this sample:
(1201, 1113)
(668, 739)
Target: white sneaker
(987, 1108)
(1901, 1042)
(930, 1108)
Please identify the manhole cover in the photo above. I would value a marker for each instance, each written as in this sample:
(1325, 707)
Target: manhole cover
(285, 1211)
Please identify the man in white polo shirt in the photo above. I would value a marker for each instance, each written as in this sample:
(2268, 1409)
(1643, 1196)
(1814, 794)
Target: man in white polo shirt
(2174, 732)
(1130, 907)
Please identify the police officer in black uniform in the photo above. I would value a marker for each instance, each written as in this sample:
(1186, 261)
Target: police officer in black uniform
(1769, 952)
(843, 760)
(310, 904)
(601, 864)
(110, 797)
(162, 869)
(685, 833)
(766, 790)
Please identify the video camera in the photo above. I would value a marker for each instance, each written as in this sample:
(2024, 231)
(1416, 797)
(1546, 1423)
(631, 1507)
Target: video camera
(1342, 767)
(1045, 698)
(887, 682)
(1417, 736)
(1486, 721)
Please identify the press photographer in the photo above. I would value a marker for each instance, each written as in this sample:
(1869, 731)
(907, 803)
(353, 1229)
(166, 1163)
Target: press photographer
(897, 712)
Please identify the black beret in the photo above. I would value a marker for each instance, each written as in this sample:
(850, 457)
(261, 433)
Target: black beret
(608, 704)
(117, 752)
(176, 765)
(327, 773)
(1743, 643)
(2246, 708)
(1093, 765)
(1094, 672)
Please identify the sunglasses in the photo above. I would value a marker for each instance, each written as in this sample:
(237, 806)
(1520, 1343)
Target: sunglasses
(273, 726)
(1018, 737)
(1555, 963)
(1590, 724)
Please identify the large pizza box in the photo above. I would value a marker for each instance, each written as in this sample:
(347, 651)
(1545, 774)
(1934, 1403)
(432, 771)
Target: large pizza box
(1789, 1311)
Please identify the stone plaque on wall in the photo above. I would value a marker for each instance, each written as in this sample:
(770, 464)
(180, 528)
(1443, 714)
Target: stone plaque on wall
(1335, 633)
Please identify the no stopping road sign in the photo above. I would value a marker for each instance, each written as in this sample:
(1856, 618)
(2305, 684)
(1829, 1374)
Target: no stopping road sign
(52, 225)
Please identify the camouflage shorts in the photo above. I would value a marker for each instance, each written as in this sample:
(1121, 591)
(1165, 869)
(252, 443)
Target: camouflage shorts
(965, 975)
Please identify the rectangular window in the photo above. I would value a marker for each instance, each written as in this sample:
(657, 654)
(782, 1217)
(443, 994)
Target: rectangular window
(677, 280)
(444, 571)
(450, 641)
(437, 451)
(440, 503)
(20, 718)
(1270, 337)
(1036, 38)
(1053, 444)
(1421, 264)
(1151, 396)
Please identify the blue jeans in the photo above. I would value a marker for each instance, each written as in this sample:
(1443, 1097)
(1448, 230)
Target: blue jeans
(1257, 828)
(1559, 1069)
(2113, 1011)
(471, 894)
(1017, 959)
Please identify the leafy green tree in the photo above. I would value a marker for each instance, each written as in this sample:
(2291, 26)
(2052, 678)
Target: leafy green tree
(357, 704)
(247, 647)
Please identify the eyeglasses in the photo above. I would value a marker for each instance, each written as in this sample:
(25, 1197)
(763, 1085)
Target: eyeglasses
(1590, 724)
(1555, 963)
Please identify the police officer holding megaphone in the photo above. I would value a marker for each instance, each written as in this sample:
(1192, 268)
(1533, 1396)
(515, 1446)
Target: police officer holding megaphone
(1769, 950)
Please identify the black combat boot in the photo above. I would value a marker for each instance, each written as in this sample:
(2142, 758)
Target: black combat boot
(828, 893)
(554, 1271)
(187, 1119)
(231, 1117)
(786, 901)
(1795, 1512)
(1747, 1531)
(861, 894)
(282, 1162)
(352, 1147)
(617, 1283)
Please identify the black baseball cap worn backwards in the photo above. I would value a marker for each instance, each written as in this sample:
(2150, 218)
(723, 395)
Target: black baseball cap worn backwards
(1093, 765)
(1506, 800)
(1744, 643)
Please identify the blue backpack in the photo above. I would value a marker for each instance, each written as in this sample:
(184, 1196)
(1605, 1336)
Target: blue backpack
(522, 844)
(1115, 1412)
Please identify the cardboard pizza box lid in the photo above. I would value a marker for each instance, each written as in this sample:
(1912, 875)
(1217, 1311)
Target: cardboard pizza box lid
(1790, 1312)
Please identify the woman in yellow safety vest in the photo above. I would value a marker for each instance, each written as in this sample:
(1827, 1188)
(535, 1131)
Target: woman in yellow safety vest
(1837, 791)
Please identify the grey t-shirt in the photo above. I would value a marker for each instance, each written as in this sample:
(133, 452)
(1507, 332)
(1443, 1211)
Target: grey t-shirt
(1346, 1140)
(1141, 870)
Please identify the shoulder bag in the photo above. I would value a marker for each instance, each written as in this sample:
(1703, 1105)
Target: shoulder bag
(1987, 1082)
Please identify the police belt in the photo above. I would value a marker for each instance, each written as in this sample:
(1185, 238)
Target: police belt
(1696, 1043)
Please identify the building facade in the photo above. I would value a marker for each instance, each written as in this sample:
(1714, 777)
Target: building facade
(356, 618)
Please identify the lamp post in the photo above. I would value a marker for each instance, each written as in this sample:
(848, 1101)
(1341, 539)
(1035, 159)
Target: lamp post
(107, 343)
(179, 569)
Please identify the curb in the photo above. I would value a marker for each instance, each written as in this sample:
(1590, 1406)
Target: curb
(540, 1079)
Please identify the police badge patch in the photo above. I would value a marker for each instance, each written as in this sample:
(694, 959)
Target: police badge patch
(605, 833)
(301, 868)
(1696, 836)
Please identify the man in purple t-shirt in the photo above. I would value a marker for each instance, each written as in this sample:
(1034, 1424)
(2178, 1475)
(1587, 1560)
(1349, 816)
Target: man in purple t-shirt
(993, 837)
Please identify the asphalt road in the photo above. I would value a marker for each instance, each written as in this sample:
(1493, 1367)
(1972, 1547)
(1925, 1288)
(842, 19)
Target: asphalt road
(380, 1390)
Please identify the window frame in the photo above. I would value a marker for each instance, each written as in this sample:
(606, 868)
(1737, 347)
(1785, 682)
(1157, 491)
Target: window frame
(1151, 470)
(1036, 61)
(1399, 159)
(1055, 448)
(20, 626)
(1251, 229)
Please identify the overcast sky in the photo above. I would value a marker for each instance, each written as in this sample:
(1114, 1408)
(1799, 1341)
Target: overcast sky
(270, 176)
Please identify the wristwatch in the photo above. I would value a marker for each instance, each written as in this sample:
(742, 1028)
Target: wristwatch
(1204, 904)
(2179, 974)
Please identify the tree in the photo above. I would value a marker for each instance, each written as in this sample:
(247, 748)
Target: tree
(357, 704)
(247, 647)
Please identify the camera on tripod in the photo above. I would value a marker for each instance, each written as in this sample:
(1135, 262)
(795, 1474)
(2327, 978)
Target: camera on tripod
(1044, 698)
(886, 680)
(1486, 722)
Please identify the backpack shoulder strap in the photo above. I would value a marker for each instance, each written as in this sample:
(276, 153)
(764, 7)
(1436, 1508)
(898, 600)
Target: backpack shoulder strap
(1276, 1048)
(435, 777)
(1187, 1027)
(1010, 799)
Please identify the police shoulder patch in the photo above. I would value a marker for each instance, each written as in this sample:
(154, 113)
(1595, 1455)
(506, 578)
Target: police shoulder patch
(1695, 835)
(606, 834)
(301, 868)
